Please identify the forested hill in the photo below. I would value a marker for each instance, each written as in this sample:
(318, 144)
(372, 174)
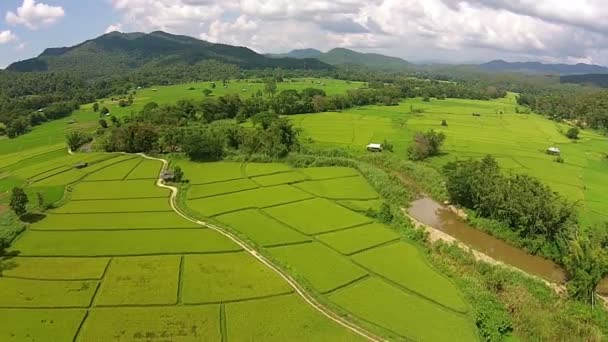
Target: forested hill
(598, 80)
(540, 68)
(122, 52)
(341, 56)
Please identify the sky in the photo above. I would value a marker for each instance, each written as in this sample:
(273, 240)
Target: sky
(450, 31)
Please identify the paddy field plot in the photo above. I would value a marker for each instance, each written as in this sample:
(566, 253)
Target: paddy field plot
(140, 205)
(418, 319)
(279, 178)
(354, 240)
(40, 324)
(55, 268)
(356, 188)
(323, 268)
(164, 323)
(260, 169)
(116, 171)
(202, 173)
(289, 321)
(320, 173)
(261, 228)
(361, 206)
(111, 221)
(144, 280)
(122, 243)
(328, 216)
(25, 293)
(220, 188)
(117, 190)
(216, 278)
(146, 169)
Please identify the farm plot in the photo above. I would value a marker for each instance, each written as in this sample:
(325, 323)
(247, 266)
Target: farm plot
(323, 268)
(279, 178)
(328, 216)
(74, 175)
(117, 171)
(152, 220)
(141, 205)
(419, 320)
(402, 264)
(25, 293)
(220, 188)
(40, 324)
(355, 188)
(55, 268)
(219, 278)
(260, 228)
(320, 173)
(147, 169)
(118, 190)
(256, 198)
(202, 173)
(260, 169)
(167, 323)
(122, 243)
(140, 281)
(361, 205)
(289, 320)
(354, 240)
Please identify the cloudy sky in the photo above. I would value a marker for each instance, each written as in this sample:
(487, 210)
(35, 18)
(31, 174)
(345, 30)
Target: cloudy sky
(454, 31)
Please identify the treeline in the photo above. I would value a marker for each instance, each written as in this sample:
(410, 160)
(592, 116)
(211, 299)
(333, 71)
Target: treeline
(586, 109)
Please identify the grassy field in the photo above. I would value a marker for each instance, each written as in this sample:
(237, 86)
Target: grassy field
(518, 141)
(335, 251)
(114, 263)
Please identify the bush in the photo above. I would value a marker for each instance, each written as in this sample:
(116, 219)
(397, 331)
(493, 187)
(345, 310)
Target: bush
(426, 145)
(572, 133)
(76, 139)
(559, 160)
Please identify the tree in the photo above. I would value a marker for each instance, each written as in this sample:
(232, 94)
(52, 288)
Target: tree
(103, 123)
(271, 86)
(386, 146)
(76, 139)
(19, 201)
(207, 92)
(178, 174)
(204, 144)
(426, 145)
(40, 200)
(572, 133)
(95, 107)
(587, 264)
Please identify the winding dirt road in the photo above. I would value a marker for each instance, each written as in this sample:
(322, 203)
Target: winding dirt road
(293, 283)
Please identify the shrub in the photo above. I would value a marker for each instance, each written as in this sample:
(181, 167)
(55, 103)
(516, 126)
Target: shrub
(76, 139)
(19, 201)
(572, 133)
(426, 145)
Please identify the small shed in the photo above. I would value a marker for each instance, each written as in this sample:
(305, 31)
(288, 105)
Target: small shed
(476, 114)
(553, 151)
(374, 147)
(167, 176)
(81, 165)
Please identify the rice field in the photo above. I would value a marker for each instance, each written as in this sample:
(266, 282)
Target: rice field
(327, 244)
(114, 262)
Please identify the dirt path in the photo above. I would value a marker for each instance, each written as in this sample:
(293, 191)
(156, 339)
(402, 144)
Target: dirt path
(298, 289)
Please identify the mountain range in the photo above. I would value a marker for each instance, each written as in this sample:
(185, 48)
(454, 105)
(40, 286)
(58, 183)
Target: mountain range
(541, 68)
(342, 56)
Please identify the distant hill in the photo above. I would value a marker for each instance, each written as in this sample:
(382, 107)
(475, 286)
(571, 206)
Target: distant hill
(598, 80)
(341, 56)
(541, 68)
(120, 52)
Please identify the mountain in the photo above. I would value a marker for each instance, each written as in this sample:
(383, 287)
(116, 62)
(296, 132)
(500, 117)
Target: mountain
(598, 80)
(341, 56)
(121, 52)
(540, 68)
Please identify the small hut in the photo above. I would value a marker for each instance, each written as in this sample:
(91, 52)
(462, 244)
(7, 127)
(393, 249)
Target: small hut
(81, 165)
(554, 151)
(167, 176)
(374, 147)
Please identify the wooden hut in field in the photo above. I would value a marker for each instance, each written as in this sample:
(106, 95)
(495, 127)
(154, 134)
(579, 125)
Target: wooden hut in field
(554, 151)
(374, 147)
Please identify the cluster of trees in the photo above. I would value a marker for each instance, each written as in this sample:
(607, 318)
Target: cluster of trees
(426, 145)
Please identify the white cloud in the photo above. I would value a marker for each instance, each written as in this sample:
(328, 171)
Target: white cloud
(34, 14)
(459, 30)
(7, 37)
(114, 27)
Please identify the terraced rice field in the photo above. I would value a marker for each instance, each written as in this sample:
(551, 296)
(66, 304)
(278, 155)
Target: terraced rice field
(362, 268)
(116, 263)
(518, 141)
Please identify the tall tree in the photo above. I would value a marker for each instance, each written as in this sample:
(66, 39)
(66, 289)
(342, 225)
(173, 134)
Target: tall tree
(19, 201)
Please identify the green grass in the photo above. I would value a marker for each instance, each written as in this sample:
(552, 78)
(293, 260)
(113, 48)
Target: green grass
(55, 268)
(115, 206)
(228, 277)
(147, 169)
(260, 228)
(213, 189)
(357, 239)
(418, 319)
(403, 264)
(23, 293)
(116, 243)
(323, 268)
(285, 318)
(140, 281)
(113, 221)
(201, 173)
(39, 324)
(117, 171)
(356, 188)
(259, 169)
(117, 190)
(256, 198)
(319, 173)
(168, 323)
(279, 178)
(327, 215)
